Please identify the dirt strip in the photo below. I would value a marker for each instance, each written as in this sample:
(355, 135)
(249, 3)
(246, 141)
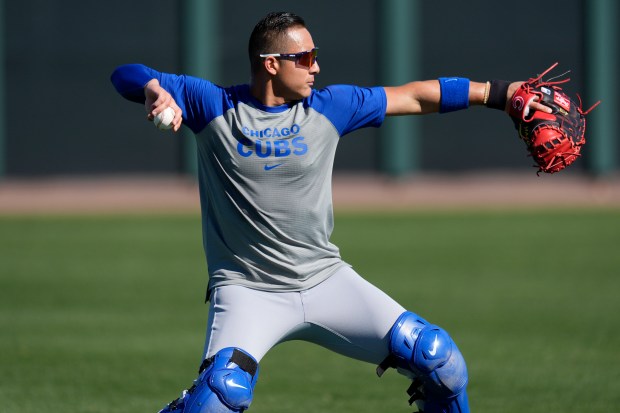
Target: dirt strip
(475, 191)
(136, 194)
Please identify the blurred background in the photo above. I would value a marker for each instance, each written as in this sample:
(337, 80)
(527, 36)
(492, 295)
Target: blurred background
(105, 311)
(61, 117)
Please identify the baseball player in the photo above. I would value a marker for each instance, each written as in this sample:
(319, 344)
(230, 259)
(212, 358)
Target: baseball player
(265, 156)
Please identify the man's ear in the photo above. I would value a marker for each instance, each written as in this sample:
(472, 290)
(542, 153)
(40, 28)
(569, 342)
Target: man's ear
(272, 65)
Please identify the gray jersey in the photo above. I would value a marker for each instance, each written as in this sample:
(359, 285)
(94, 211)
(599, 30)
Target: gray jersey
(265, 178)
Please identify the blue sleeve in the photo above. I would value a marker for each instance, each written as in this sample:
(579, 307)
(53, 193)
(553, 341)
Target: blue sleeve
(129, 81)
(200, 100)
(350, 107)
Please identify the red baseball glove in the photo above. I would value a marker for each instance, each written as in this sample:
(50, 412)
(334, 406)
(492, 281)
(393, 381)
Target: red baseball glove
(554, 139)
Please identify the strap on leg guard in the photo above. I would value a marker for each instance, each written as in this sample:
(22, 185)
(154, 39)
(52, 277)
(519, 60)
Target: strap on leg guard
(225, 385)
(426, 354)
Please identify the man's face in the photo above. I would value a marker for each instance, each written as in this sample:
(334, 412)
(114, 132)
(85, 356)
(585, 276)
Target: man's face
(293, 81)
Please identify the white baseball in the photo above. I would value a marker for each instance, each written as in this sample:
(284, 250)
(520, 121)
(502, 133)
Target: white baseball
(164, 119)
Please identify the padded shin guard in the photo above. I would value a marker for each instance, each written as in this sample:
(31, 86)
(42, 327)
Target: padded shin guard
(225, 385)
(426, 354)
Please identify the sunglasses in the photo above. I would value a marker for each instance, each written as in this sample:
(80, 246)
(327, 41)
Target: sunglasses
(304, 59)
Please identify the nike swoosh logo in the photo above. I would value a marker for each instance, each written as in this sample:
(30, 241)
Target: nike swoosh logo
(435, 345)
(231, 383)
(270, 167)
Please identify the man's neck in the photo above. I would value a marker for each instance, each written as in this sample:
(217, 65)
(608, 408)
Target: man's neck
(264, 93)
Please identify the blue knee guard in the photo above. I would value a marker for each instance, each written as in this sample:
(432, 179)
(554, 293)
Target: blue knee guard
(426, 354)
(225, 385)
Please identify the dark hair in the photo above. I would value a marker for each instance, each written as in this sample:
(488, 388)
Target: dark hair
(268, 35)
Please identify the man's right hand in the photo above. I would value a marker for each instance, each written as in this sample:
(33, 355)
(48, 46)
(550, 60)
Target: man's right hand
(157, 100)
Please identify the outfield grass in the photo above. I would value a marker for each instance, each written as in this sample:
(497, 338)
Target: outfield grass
(101, 314)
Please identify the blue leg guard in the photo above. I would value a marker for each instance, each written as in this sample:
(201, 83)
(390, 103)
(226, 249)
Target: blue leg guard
(426, 354)
(224, 385)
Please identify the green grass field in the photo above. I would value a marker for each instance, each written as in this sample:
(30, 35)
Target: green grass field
(106, 314)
